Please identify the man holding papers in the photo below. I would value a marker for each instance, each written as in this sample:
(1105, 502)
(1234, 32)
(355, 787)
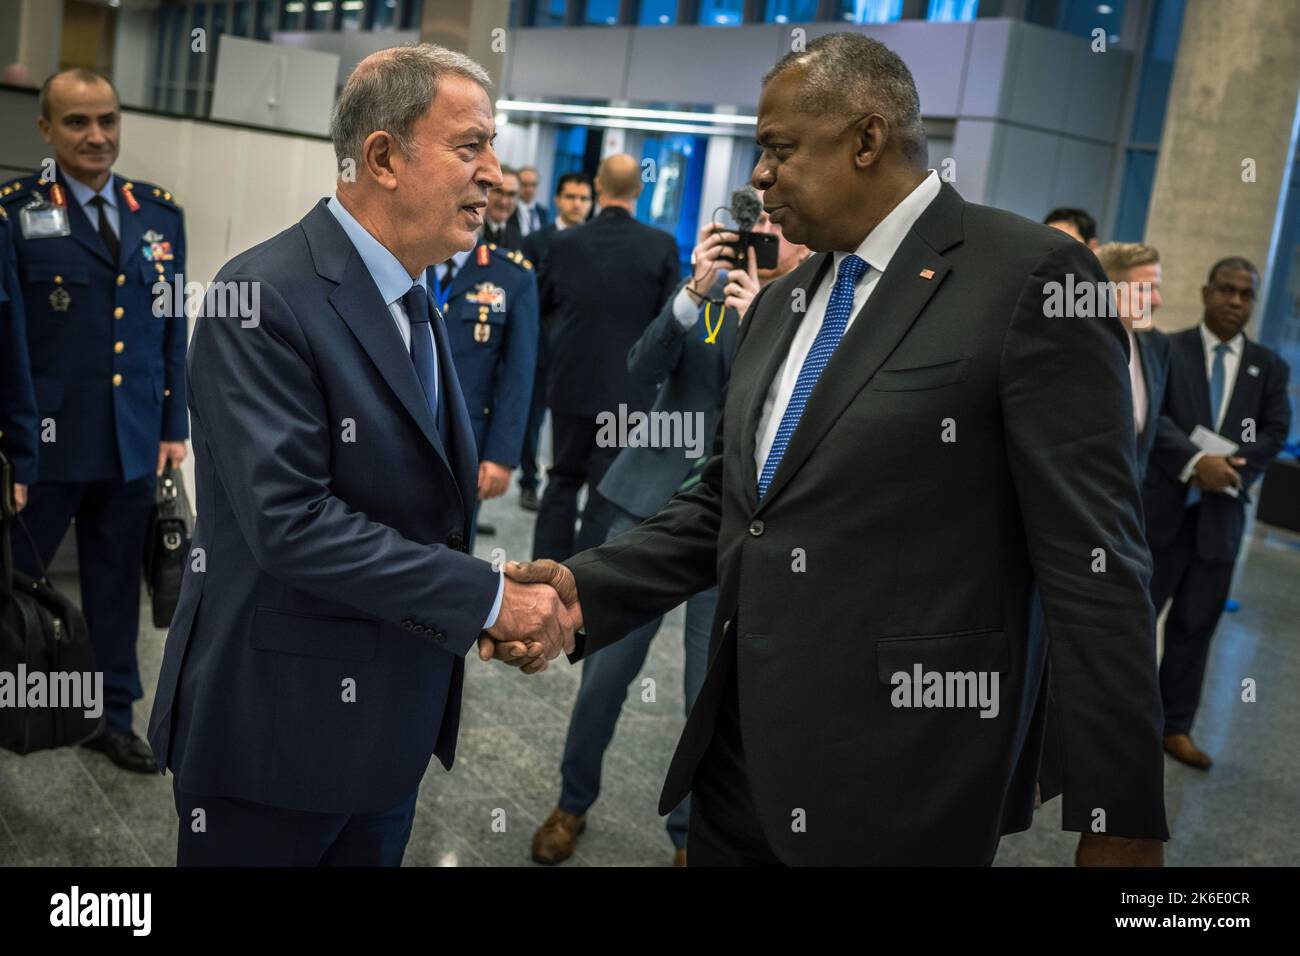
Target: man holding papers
(1225, 416)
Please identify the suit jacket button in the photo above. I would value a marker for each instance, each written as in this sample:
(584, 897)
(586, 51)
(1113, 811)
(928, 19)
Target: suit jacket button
(439, 637)
(756, 528)
(406, 623)
(456, 541)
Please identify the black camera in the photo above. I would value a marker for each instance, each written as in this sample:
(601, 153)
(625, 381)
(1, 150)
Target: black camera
(745, 209)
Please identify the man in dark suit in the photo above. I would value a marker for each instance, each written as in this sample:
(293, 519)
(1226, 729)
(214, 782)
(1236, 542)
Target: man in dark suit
(603, 284)
(500, 226)
(573, 197)
(531, 214)
(315, 661)
(1134, 269)
(908, 441)
(108, 369)
(1195, 501)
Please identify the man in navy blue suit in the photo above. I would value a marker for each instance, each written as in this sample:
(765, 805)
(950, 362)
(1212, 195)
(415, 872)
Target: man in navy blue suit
(17, 400)
(316, 658)
(108, 372)
(1220, 382)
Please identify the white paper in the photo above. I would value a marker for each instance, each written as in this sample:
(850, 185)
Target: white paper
(1212, 443)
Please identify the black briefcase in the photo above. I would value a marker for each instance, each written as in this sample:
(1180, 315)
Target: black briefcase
(47, 669)
(1279, 498)
(167, 545)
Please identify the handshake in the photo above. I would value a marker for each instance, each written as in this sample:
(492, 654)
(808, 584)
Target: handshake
(539, 614)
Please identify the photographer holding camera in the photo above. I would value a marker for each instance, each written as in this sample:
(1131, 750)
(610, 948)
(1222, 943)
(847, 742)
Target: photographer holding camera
(688, 348)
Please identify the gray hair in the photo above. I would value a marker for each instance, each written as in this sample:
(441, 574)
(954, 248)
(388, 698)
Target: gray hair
(391, 91)
(848, 75)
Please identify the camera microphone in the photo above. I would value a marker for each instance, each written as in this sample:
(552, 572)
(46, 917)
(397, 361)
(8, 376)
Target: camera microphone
(746, 207)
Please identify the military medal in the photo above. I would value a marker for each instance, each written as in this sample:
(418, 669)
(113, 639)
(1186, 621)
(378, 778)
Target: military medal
(486, 294)
(482, 332)
(46, 219)
(59, 299)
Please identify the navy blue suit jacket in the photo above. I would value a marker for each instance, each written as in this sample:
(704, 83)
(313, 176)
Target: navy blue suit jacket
(17, 400)
(107, 371)
(1259, 394)
(315, 659)
(495, 350)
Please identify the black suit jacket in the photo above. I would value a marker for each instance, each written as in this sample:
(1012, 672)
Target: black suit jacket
(1258, 396)
(918, 551)
(603, 284)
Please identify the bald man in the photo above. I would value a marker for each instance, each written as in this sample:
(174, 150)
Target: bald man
(604, 283)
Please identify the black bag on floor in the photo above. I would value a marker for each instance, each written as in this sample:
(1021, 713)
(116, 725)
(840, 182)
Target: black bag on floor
(45, 655)
(167, 545)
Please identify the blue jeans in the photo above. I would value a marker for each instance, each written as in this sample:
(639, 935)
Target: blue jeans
(606, 676)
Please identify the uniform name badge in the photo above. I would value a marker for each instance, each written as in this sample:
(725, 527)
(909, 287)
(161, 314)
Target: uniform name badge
(44, 220)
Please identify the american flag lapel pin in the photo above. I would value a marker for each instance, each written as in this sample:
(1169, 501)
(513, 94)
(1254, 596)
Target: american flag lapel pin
(927, 273)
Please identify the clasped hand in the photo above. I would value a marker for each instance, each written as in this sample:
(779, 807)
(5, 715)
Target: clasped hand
(539, 614)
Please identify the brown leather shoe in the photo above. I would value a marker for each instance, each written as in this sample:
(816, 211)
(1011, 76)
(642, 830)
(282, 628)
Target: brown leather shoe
(1181, 748)
(679, 858)
(555, 839)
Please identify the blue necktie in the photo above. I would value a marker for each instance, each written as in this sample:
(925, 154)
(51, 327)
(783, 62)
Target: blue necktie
(1218, 373)
(416, 301)
(836, 320)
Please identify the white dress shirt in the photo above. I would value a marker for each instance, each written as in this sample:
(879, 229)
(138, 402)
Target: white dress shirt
(1231, 363)
(877, 249)
(1138, 381)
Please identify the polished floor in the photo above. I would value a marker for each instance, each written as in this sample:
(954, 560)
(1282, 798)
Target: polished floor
(72, 807)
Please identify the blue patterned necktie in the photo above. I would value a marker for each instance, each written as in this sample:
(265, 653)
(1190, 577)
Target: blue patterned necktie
(836, 320)
(1218, 374)
(416, 301)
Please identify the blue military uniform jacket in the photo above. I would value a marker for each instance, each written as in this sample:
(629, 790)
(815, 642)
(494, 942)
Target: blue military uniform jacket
(17, 400)
(491, 318)
(107, 372)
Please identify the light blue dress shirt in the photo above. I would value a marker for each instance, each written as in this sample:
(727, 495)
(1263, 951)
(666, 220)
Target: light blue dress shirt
(393, 281)
(83, 194)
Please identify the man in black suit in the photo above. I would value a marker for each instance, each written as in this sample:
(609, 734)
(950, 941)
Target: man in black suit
(603, 284)
(573, 198)
(879, 506)
(1195, 501)
(499, 223)
(532, 215)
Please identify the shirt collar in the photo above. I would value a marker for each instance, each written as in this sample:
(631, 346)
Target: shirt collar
(1209, 340)
(389, 274)
(459, 257)
(84, 194)
(882, 242)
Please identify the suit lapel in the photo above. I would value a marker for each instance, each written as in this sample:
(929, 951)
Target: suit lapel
(1244, 390)
(783, 326)
(359, 305)
(897, 300)
(1194, 354)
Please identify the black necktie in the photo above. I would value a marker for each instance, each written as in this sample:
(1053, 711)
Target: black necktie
(445, 282)
(106, 228)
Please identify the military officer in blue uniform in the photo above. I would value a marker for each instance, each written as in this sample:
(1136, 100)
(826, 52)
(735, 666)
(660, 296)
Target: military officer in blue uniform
(108, 369)
(488, 298)
(17, 400)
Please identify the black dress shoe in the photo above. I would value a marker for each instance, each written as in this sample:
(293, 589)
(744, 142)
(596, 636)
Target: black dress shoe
(126, 750)
(484, 528)
(528, 499)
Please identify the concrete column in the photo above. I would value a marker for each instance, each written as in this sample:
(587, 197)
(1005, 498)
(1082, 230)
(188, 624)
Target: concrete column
(478, 28)
(1233, 100)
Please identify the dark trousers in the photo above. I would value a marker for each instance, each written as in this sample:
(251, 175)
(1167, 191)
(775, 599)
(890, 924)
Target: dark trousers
(578, 461)
(724, 823)
(606, 677)
(533, 431)
(112, 521)
(232, 832)
(1199, 589)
